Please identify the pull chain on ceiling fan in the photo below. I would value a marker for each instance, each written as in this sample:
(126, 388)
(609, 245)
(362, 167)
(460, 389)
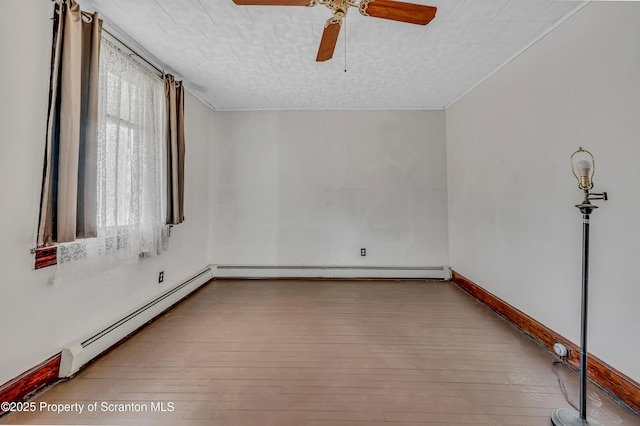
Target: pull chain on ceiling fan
(385, 9)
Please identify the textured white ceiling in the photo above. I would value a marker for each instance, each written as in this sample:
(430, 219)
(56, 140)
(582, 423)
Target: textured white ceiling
(261, 57)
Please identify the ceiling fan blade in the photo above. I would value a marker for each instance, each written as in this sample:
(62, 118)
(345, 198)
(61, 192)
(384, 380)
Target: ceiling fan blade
(398, 11)
(273, 2)
(329, 39)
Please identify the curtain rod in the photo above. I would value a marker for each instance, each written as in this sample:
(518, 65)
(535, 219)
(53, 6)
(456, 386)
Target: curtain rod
(133, 52)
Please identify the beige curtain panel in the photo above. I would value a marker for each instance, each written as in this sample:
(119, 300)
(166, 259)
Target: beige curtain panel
(174, 99)
(68, 202)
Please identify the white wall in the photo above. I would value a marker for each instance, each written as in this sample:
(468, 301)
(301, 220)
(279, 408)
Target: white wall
(513, 226)
(313, 187)
(36, 318)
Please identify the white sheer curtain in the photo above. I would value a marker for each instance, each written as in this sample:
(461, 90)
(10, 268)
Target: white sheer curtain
(131, 168)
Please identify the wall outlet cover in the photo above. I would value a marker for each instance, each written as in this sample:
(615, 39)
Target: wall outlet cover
(560, 350)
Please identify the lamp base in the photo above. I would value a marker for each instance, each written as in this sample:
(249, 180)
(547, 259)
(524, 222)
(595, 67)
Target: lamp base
(570, 417)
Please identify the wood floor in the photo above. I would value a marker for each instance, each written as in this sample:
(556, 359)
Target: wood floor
(323, 353)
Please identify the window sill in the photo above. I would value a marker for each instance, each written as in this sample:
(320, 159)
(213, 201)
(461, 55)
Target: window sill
(46, 256)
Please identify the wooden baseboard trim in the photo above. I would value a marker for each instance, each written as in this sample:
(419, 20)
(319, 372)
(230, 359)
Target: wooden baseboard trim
(612, 381)
(30, 381)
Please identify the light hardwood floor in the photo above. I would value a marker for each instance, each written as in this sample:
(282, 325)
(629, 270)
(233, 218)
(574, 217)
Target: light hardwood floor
(324, 353)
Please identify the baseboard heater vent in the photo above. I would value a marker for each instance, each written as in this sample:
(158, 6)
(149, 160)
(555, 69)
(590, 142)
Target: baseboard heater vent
(78, 354)
(391, 272)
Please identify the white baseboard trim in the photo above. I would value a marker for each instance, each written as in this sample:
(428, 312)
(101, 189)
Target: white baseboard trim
(283, 271)
(77, 354)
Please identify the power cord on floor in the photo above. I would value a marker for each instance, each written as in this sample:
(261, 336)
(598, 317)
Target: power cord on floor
(561, 383)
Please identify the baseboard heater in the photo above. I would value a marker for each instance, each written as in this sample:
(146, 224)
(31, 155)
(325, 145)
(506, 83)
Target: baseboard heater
(390, 272)
(76, 355)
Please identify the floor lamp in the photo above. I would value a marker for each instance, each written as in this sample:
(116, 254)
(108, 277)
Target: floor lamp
(586, 169)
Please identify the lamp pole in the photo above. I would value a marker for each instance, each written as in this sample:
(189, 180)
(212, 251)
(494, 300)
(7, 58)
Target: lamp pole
(586, 212)
(565, 416)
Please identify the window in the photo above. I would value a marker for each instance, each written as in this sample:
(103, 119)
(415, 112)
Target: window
(130, 164)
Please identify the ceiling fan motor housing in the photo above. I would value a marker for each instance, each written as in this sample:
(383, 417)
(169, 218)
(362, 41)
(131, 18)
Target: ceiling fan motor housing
(339, 8)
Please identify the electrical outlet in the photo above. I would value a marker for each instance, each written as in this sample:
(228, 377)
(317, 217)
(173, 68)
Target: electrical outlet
(160, 277)
(363, 252)
(561, 350)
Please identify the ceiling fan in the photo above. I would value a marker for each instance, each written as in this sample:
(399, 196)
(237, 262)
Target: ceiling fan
(385, 9)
